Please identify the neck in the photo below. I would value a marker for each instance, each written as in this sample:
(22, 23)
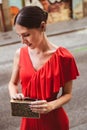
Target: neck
(42, 47)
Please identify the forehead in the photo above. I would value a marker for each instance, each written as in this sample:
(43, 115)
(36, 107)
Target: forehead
(20, 29)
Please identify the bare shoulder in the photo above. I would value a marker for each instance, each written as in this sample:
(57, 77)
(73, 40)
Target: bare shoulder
(53, 48)
(17, 55)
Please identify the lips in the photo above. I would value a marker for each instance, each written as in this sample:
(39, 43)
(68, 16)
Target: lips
(29, 44)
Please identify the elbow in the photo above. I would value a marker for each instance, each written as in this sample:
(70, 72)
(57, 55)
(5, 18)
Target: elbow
(9, 85)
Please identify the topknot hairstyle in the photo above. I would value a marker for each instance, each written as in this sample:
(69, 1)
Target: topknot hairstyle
(31, 17)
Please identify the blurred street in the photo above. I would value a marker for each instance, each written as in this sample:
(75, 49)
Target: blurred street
(73, 36)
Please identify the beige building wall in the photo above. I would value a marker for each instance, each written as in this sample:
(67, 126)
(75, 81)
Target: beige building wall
(78, 11)
(7, 15)
(77, 7)
(34, 2)
(85, 7)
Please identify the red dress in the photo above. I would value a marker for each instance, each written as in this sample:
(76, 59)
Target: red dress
(45, 84)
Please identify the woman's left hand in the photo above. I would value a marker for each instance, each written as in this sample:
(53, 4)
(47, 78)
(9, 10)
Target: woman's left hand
(40, 106)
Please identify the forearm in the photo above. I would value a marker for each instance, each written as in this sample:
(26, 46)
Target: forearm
(42, 106)
(59, 102)
(13, 89)
(66, 95)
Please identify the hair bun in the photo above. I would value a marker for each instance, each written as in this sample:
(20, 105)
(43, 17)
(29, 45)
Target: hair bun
(45, 16)
(31, 17)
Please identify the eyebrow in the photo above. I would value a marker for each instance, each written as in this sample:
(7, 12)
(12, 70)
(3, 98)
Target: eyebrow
(23, 33)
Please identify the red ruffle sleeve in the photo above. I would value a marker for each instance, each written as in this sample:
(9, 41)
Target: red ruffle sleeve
(68, 68)
(45, 82)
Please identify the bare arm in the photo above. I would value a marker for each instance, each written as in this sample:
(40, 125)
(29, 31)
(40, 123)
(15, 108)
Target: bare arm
(66, 96)
(43, 106)
(13, 83)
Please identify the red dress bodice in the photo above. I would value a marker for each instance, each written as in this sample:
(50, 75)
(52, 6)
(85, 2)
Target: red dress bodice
(45, 83)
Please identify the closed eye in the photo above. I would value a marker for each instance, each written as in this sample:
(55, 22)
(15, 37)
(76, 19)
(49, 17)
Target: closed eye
(26, 35)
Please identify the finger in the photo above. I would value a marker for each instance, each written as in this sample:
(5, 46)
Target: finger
(21, 96)
(36, 106)
(38, 102)
(13, 97)
(18, 96)
(39, 110)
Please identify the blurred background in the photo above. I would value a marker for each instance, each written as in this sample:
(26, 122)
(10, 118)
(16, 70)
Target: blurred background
(67, 27)
(59, 10)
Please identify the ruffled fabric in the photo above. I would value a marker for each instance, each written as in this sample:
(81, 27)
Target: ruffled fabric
(44, 83)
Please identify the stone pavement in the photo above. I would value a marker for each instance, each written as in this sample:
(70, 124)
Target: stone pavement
(52, 30)
(81, 127)
(58, 28)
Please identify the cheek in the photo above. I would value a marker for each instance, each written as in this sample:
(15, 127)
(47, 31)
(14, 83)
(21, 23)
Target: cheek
(30, 39)
(36, 38)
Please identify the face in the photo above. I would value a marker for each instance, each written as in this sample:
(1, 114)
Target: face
(31, 37)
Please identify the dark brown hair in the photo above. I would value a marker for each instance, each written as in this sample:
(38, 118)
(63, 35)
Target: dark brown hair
(31, 17)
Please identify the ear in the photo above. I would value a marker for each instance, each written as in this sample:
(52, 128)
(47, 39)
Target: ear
(43, 26)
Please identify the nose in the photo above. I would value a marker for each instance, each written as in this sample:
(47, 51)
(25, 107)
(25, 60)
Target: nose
(23, 40)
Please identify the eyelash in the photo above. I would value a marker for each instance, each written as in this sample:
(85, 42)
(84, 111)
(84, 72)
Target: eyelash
(25, 35)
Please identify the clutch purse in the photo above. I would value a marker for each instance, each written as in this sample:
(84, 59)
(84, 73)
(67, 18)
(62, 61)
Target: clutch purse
(21, 108)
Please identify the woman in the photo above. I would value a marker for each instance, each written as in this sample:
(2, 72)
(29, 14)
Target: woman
(42, 69)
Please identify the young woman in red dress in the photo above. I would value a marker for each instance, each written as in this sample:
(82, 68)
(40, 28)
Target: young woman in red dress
(42, 69)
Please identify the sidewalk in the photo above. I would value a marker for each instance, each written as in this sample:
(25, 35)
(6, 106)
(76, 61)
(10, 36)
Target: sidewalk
(10, 37)
(78, 117)
(80, 127)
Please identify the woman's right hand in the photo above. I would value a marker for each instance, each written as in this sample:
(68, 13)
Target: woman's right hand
(18, 96)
